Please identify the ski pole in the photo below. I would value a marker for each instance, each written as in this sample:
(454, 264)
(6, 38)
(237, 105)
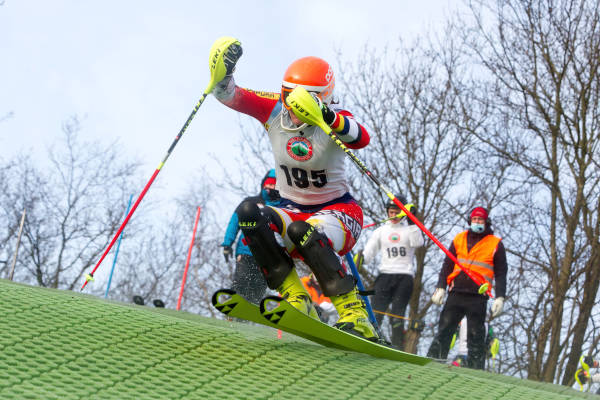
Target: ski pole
(392, 315)
(308, 109)
(14, 262)
(387, 219)
(218, 70)
(187, 261)
(361, 288)
(116, 253)
(380, 222)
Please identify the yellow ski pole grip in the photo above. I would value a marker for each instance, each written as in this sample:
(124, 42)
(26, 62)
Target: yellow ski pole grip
(216, 65)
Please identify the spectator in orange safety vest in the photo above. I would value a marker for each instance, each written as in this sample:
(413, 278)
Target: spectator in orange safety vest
(479, 250)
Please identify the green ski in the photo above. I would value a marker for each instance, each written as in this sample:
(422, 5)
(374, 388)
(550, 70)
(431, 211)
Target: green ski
(284, 316)
(232, 304)
(277, 313)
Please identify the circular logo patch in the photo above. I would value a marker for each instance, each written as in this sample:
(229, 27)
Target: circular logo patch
(299, 148)
(394, 237)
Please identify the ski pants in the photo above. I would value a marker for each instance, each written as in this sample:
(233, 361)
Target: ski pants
(248, 280)
(395, 289)
(458, 305)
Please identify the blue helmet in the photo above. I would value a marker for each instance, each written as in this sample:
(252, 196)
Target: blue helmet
(269, 194)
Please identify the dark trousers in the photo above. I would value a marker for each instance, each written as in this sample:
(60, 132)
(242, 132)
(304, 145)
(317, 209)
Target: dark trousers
(395, 289)
(474, 306)
(248, 280)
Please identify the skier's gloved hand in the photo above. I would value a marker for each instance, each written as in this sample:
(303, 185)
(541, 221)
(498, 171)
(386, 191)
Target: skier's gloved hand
(438, 296)
(589, 360)
(497, 306)
(227, 252)
(231, 57)
(224, 54)
(411, 208)
(583, 376)
(328, 114)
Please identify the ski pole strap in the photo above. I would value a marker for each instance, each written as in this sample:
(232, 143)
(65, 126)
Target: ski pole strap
(453, 342)
(366, 292)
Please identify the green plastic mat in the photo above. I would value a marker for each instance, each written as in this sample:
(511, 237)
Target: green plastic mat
(65, 345)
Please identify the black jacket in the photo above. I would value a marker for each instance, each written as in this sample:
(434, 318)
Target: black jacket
(464, 284)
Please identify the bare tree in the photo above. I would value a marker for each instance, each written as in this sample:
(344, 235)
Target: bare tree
(407, 98)
(537, 90)
(74, 206)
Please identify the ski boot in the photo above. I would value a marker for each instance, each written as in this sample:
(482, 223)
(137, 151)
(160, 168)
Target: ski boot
(293, 291)
(353, 316)
(460, 360)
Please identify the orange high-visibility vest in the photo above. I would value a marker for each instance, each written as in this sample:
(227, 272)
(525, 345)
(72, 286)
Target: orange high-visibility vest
(480, 259)
(316, 295)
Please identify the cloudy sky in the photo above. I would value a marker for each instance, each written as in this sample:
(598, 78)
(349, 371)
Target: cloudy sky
(133, 70)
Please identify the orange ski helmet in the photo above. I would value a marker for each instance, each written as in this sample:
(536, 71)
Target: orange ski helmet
(313, 74)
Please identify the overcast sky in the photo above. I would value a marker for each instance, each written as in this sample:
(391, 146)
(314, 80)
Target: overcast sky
(133, 70)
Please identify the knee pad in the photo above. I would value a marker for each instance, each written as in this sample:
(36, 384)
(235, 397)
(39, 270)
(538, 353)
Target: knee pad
(274, 262)
(314, 247)
(248, 212)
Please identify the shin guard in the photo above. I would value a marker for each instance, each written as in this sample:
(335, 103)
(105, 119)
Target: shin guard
(314, 247)
(274, 262)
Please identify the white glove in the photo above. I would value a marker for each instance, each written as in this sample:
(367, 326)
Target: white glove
(497, 306)
(327, 307)
(438, 296)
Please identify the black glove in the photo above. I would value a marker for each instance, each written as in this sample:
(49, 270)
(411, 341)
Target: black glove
(231, 57)
(583, 376)
(328, 114)
(227, 252)
(413, 210)
(589, 360)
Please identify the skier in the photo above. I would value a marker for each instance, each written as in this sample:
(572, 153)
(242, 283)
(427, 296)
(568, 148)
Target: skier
(317, 218)
(461, 357)
(461, 338)
(481, 251)
(247, 280)
(583, 375)
(396, 242)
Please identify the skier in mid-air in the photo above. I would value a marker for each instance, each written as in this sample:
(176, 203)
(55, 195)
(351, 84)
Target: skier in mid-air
(318, 219)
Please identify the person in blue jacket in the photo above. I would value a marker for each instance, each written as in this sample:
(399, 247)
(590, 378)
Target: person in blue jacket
(247, 278)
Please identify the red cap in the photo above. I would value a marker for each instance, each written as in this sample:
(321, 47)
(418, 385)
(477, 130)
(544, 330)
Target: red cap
(479, 212)
(269, 181)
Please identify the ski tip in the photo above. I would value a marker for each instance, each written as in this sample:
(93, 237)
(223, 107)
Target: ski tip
(216, 297)
(267, 303)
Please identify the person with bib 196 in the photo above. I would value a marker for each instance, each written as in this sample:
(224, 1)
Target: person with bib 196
(396, 242)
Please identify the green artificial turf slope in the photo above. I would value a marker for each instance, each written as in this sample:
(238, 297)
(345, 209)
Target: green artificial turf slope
(64, 345)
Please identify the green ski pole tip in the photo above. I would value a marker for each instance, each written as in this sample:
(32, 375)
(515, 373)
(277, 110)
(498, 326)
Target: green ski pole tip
(484, 288)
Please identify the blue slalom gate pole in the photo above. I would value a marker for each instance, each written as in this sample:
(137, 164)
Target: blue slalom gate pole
(360, 287)
(116, 252)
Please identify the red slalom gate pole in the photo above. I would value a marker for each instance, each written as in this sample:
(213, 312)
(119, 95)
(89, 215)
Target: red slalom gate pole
(187, 262)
